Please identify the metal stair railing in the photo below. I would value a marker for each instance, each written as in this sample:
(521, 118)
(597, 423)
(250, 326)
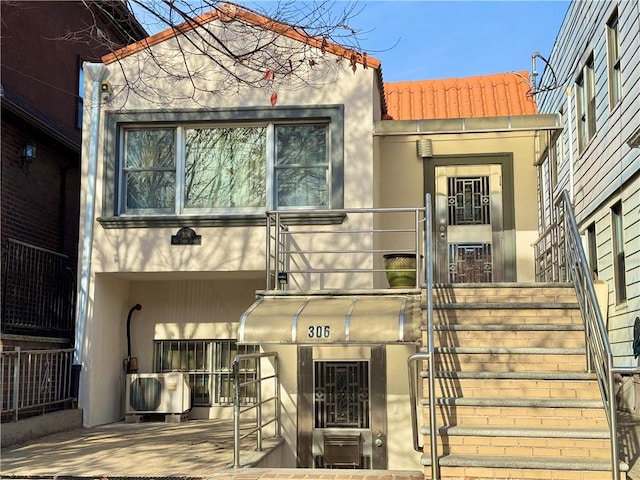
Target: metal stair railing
(260, 422)
(426, 356)
(599, 355)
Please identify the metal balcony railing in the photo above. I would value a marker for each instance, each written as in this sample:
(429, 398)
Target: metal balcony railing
(341, 249)
(38, 292)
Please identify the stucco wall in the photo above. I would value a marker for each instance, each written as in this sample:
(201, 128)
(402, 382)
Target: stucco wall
(402, 178)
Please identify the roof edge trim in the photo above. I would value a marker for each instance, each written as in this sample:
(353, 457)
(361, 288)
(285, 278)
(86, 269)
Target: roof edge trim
(230, 12)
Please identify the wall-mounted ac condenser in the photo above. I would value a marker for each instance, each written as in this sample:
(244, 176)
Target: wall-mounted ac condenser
(158, 393)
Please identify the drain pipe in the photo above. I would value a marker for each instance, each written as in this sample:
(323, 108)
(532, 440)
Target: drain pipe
(97, 72)
(132, 363)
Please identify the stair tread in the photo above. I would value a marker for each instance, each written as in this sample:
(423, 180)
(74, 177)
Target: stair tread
(535, 432)
(513, 350)
(506, 305)
(546, 463)
(553, 376)
(516, 402)
(529, 327)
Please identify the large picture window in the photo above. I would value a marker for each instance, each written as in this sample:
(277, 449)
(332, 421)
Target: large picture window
(209, 166)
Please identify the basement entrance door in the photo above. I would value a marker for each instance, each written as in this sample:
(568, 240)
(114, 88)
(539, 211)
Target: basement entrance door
(469, 224)
(342, 412)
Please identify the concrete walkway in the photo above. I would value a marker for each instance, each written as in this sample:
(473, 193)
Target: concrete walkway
(195, 449)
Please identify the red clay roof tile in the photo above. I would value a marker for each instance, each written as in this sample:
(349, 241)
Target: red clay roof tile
(501, 94)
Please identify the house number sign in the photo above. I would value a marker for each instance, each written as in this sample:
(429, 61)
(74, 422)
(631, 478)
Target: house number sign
(319, 331)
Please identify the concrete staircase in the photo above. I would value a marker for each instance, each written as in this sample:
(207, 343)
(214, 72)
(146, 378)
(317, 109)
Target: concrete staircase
(513, 397)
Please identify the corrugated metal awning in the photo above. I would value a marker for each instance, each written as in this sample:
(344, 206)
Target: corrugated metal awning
(332, 319)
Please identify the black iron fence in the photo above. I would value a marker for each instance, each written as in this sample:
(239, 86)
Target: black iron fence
(38, 292)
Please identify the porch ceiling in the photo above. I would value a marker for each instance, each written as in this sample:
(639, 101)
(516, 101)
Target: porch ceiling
(388, 319)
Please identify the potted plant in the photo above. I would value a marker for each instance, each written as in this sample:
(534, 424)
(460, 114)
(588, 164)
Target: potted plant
(400, 269)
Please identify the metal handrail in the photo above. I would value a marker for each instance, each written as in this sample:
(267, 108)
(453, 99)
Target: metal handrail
(426, 356)
(257, 405)
(599, 355)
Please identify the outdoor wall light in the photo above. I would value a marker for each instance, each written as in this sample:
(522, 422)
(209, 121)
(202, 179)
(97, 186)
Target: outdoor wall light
(27, 156)
(425, 148)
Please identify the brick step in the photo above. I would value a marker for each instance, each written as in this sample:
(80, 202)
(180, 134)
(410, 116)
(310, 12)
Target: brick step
(503, 292)
(531, 432)
(486, 386)
(518, 412)
(499, 314)
(464, 467)
(523, 446)
(511, 336)
(510, 359)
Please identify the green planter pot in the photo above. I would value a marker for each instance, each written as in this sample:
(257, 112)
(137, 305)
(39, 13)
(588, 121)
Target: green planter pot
(400, 269)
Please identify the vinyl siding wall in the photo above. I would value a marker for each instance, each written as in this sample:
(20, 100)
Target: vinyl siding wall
(607, 170)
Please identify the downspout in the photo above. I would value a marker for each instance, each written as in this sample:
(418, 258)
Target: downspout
(97, 73)
(569, 92)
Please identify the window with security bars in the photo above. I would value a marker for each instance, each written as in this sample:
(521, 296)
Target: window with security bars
(468, 200)
(209, 364)
(341, 394)
(470, 263)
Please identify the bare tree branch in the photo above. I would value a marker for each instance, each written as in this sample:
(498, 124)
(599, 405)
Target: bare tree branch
(254, 53)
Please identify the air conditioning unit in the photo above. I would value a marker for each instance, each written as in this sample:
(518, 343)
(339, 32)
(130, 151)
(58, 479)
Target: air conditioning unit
(158, 393)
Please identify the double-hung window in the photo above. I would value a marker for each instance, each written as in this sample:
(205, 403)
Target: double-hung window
(586, 104)
(619, 265)
(230, 166)
(613, 60)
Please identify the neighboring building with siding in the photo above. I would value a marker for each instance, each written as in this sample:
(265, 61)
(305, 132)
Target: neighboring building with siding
(593, 82)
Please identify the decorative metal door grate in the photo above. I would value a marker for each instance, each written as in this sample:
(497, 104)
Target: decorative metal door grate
(342, 394)
(470, 263)
(468, 200)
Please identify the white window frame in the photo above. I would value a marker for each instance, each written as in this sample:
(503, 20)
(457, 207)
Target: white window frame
(613, 60)
(585, 103)
(617, 252)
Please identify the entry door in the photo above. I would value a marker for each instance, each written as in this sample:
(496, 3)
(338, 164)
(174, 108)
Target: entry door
(342, 424)
(469, 224)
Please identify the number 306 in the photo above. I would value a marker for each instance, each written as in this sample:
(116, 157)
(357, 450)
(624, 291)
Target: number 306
(319, 331)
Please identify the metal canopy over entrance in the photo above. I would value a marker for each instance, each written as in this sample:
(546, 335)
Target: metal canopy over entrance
(328, 319)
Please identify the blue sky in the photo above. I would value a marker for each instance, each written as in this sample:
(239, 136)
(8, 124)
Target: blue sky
(431, 39)
(446, 39)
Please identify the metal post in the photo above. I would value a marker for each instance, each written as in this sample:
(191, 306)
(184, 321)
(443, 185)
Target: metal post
(16, 384)
(417, 245)
(268, 251)
(276, 255)
(278, 403)
(236, 414)
(435, 470)
(259, 404)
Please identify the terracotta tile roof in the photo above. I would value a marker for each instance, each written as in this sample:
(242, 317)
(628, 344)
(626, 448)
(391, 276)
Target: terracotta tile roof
(501, 94)
(228, 12)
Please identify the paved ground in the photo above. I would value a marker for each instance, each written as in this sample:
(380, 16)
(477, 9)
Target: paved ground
(194, 449)
(629, 443)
